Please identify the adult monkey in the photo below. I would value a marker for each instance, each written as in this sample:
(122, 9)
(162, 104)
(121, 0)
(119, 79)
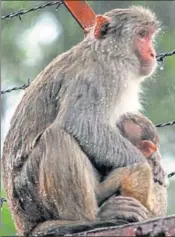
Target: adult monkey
(66, 122)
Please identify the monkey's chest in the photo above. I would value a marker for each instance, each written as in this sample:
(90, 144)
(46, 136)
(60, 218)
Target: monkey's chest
(127, 103)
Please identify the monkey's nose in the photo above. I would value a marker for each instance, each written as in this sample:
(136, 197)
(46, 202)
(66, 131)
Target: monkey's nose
(152, 55)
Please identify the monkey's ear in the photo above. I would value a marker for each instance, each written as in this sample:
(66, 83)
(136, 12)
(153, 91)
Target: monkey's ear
(101, 26)
(148, 148)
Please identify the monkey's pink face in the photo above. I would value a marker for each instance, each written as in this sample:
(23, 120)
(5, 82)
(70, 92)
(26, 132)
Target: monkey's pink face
(143, 45)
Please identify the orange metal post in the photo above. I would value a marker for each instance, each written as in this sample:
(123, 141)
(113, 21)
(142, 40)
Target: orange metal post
(82, 12)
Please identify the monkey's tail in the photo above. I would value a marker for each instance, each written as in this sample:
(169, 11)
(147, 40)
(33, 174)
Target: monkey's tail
(61, 228)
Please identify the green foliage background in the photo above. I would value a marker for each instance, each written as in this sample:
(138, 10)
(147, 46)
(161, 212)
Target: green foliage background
(159, 91)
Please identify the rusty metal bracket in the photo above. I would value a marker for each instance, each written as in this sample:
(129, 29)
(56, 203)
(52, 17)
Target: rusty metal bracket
(82, 12)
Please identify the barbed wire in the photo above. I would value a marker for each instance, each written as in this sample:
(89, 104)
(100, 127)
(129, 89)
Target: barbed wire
(16, 88)
(23, 12)
(161, 56)
(2, 200)
(171, 174)
(160, 125)
(19, 13)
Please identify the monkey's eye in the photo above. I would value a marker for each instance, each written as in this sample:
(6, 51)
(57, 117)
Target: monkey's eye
(142, 33)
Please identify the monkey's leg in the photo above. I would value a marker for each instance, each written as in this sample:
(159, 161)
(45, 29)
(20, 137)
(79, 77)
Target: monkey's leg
(116, 211)
(56, 181)
(67, 178)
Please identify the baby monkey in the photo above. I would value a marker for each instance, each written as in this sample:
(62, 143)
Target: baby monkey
(145, 182)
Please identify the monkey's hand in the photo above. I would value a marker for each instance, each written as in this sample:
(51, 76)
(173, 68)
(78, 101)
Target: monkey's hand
(125, 208)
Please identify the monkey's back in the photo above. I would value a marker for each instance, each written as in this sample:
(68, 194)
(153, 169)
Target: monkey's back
(24, 146)
(34, 114)
(36, 111)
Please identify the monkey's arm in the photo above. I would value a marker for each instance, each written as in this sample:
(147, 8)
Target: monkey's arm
(86, 121)
(111, 184)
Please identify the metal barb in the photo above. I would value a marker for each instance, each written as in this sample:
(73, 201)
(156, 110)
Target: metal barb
(171, 174)
(2, 200)
(20, 18)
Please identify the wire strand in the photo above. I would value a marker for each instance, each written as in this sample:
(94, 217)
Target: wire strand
(161, 125)
(23, 12)
(16, 88)
(161, 56)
